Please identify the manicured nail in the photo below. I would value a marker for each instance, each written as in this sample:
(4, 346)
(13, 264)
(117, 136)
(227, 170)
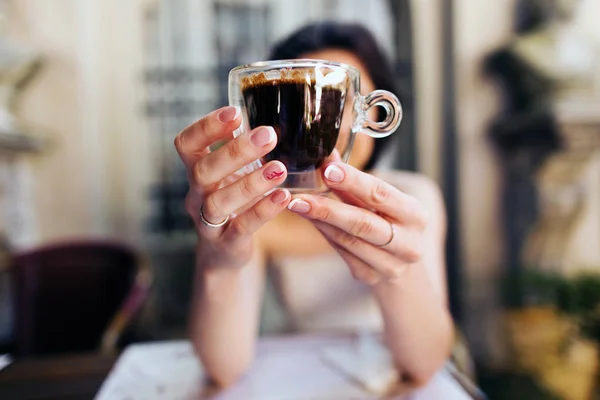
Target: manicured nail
(334, 174)
(274, 171)
(263, 136)
(280, 196)
(299, 206)
(228, 114)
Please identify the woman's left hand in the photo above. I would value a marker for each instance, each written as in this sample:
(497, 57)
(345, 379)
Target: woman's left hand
(377, 229)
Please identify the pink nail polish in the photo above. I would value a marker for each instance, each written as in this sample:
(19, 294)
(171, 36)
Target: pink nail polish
(228, 114)
(299, 206)
(274, 171)
(334, 174)
(263, 136)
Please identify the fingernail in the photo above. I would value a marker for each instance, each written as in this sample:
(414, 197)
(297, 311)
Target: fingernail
(334, 174)
(228, 114)
(274, 171)
(299, 206)
(280, 196)
(263, 136)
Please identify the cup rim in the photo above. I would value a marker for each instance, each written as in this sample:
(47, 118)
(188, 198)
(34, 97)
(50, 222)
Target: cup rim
(291, 63)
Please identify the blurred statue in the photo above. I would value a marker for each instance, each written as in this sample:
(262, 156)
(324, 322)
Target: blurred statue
(548, 61)
(18, 65)
(524, 131)
(552, 42)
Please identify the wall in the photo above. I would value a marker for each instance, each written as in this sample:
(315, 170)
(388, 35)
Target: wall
(87, 101)
(480, 27)
(52, 94)
(428, 67)
(583, 252)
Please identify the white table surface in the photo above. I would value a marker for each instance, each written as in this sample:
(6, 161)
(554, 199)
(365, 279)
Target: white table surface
(5, 361)
(286, 368)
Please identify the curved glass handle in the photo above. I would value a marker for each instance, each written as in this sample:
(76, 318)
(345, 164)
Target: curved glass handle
(390, 104)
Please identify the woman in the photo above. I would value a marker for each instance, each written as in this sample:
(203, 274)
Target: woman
(386, 230)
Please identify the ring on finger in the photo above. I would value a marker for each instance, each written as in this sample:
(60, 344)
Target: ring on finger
(391, 236)
(208, 223)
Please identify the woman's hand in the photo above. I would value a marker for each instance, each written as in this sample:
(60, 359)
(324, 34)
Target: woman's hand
(219, 192)
(378, 230)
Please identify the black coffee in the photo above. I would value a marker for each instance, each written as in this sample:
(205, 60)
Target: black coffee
(306, 119)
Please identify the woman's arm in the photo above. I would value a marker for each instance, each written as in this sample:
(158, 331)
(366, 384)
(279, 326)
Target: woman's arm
(418, 330)
(418, 326)
(404, 265)
(227, 209)
(224, 316)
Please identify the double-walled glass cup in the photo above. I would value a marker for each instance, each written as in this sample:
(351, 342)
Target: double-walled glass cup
(305, 102)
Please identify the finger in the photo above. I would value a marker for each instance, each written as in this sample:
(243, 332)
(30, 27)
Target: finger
(349, 198)
(221, 203)
(192, 142)
(234, 155)
(356, 221)
(384, 262)
(375, 193)
(358, 268)
(251, 220)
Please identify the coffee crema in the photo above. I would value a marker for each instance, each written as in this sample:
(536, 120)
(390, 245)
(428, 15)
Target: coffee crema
(321, 77)
(305, 112)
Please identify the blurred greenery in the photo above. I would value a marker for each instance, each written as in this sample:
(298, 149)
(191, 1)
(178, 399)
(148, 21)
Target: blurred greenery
(590, 325)
(577, 296)
(512, 386)
(532, 287)
(581, 294)
(580, 297)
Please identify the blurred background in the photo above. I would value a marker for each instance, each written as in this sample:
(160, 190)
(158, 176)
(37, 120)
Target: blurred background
(502, 109)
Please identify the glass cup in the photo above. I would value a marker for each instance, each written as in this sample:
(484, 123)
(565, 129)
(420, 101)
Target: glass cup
(305, 102)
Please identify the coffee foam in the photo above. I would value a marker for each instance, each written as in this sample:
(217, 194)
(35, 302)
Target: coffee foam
(323, 77)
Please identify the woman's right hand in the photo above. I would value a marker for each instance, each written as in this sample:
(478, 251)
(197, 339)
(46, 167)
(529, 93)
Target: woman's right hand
(219, 191)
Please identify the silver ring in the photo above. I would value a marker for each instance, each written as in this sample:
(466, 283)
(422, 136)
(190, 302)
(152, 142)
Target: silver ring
(208, 223)
(391, 237)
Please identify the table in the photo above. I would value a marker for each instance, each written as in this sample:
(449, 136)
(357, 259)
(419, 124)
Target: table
(55, 377)
(288, 365)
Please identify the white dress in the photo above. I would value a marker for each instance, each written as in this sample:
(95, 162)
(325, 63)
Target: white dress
(319, 294)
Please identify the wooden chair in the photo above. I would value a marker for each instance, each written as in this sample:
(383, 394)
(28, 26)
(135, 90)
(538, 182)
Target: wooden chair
(75, 296)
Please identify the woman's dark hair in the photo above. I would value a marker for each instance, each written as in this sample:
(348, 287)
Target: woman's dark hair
(353, 38)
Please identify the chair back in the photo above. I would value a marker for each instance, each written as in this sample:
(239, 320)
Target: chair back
(65, 295)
